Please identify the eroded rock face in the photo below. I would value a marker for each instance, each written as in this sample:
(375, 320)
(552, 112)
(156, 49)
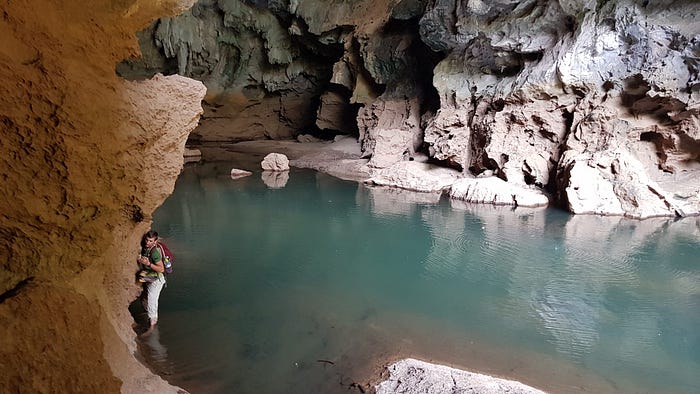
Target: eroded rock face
(539, 94)
(591, 101)
(258, 83)
(86, 158)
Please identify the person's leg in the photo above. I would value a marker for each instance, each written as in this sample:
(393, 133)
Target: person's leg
(152, 297)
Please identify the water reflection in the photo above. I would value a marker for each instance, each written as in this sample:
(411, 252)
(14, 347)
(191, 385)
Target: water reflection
(154, 352)
(391, 201)
(275, 179)
(326, 269)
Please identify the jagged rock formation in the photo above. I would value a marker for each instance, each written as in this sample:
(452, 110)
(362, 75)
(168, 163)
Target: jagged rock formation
(86, 158)
(593, 102)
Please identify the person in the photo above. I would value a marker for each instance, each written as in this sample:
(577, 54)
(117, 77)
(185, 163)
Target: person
(151, 261)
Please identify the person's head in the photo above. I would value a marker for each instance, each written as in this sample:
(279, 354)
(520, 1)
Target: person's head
(150, 239)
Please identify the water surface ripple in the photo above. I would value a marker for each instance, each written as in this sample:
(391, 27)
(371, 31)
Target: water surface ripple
(308, 287)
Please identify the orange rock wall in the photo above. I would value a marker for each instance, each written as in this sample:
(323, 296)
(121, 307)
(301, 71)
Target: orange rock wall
(85, 158)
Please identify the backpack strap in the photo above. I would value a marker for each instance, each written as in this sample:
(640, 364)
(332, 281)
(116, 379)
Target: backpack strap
(162, 253)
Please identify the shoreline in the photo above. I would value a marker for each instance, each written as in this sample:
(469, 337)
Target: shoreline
(410, 376)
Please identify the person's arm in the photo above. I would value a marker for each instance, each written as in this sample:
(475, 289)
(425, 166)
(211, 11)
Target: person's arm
(157, 260)
(158, 266)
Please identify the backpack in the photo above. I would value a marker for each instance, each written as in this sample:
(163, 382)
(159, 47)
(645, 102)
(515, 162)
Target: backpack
(167, 257)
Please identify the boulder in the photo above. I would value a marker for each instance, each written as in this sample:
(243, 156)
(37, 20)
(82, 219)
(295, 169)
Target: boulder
(275, 162)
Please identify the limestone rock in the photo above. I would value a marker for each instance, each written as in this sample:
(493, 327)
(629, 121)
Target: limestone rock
(414, 376)
(615, 183)
(237, 173)
(275, 162)
(304, 138)
(343, 74)
(525, 90)
(334, 113)
(256, 80)
(496, 191)
(390, 130)
(415, 175)
(78, 144)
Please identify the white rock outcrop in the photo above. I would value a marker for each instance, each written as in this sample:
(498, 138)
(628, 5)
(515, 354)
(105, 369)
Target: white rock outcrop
(410, 376)
(493, 190)
(415, 175)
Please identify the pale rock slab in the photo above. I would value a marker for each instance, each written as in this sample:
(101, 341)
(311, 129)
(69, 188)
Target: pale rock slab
(416, 175)
(236, 173)
(275, 162)
(616, 183)
(410, 376)
(390, 130)
(496, 191)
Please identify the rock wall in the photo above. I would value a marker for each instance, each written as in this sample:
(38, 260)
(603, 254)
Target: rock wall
(593, 102)
(86, 157)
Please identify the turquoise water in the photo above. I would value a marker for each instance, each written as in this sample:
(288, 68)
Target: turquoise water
(312, 287)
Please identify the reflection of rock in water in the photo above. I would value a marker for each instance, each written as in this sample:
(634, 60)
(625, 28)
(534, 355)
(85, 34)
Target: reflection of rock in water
(570, 316)
(275, 179)
(192, 155)
(395, 201)
(154, 352)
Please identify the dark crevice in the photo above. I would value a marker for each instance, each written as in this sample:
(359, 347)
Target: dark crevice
(15, 290)
(450, 162)
(552, 187)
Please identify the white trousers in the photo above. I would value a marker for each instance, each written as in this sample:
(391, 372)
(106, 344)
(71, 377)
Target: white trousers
(150, 303)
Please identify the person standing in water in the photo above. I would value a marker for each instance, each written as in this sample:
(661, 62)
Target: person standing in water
(151, 260)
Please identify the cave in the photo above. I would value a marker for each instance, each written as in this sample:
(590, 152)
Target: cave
(100, 101)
